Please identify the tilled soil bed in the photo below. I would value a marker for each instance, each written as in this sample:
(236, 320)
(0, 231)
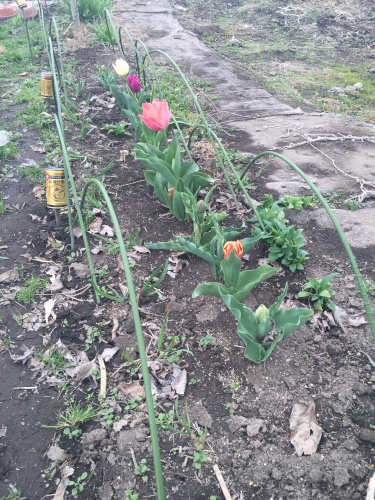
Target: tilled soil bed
(239, 412)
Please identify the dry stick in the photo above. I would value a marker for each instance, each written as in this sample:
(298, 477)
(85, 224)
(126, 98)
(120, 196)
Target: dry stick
(133, 457)
(223, 486)
(103, 377)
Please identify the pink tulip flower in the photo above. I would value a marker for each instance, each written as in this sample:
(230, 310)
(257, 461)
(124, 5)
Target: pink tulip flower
(156, 115)
(134, 83)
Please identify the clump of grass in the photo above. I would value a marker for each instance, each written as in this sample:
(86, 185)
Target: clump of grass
(74, 415)
(34, 173)
(90, 10)
(32, 286)
(101, 33)
(3, 206)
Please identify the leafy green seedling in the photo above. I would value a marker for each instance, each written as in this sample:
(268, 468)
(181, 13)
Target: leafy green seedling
(142, 469)
(319, 293)
(78, 486)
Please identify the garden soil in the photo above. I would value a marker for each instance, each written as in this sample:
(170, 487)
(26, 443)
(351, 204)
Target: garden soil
(239, 412)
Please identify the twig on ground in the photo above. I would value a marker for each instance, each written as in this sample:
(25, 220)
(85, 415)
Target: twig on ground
(372, 362)
(133, 457)
(103, 377)
(223, 486)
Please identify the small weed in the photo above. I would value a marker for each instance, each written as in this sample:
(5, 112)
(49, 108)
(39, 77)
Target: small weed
(75, 433)
(78, 485)
(200, 457)
(53, 360)
(337, 199)
(32, 286)
(74, 415)
(18, 318)
(194, 381)
(34, 173)
(3, 207)
(319, 293)
(92, 333)
(207, 341)
(14, 495)
(369, 287)
(231, 407)
(8, 151)
(102, 33)
(129, 495)
(235, 385)
(116, 128)
(142, 469)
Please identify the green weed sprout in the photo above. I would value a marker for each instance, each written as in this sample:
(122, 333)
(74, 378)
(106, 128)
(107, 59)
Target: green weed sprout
(319, 293)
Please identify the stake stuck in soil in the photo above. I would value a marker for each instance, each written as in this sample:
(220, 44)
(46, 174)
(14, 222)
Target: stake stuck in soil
(223, 486)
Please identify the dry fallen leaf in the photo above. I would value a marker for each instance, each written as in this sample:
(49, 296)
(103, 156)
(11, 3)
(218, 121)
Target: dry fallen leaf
(357, 320)
(48, 306)
(132, 390)
(38, 191)
(107, 231)
(77, 231)
(8, 276)
(306, 433)
(141, 249)
(96, 225)
(81, 270)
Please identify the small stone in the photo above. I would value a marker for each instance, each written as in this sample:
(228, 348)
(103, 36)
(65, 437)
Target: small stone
(350, 444)
(198, 413)
(341, 477)
(277, 474)
(254, 426)
(316, 475)
(93, 438)
(367, 435)
(105, 491)
(235, 422)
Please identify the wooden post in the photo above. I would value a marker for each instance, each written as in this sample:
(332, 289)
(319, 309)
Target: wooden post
(75, 14)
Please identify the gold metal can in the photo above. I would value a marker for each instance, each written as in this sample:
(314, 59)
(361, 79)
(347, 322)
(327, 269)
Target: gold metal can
(46, 87)
(56, 188)
(21, 3)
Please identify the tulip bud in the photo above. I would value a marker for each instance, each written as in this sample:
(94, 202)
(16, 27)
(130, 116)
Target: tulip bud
(261, 313)
(233, 246)
(201, 206)
(171, 193)
(121, 67)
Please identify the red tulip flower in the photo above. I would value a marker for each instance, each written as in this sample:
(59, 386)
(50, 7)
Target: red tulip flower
(134, 83)
(233, 246)
(156, 115)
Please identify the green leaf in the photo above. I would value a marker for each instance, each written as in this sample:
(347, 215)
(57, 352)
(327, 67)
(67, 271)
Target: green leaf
(325, 294)
(172, 152)
(178, 207)
(249, 243)
(231, 268)
(212, 289)
(251, 278)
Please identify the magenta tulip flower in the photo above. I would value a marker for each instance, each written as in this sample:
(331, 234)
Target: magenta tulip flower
(156, 115)
(134, 83)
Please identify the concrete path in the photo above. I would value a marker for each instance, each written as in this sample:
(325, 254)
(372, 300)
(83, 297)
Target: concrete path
(344, 160)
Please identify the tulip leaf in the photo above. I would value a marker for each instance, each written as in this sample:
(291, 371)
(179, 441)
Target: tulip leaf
(251, 278)
(286, 321)
(231, 267)
(173, 150)
(178, 208)
(249, 243)
(188, 167)
(212, 289)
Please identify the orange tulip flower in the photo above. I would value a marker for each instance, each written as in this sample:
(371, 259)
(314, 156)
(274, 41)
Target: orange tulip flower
(233, 246)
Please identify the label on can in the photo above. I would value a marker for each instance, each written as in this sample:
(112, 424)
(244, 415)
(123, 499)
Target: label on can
(55, 188)
(46, 87)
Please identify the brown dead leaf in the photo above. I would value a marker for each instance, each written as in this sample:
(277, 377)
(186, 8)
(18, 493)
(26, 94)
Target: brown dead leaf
(306, 433)
(141, 249)
(81, 270)
(96, 225)
(9, 276)
(107, 231)
(357, 320)
(77, 231)
(132, 390)
(25, 73)
(38, 191)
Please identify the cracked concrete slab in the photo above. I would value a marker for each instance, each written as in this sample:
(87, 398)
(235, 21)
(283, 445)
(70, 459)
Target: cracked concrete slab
(343, 159)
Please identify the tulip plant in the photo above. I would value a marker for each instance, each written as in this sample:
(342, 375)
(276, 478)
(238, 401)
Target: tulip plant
(260, 331)
(170, 176)
(263, 330)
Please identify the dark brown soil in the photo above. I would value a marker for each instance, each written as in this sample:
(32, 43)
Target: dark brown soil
(327, 365)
